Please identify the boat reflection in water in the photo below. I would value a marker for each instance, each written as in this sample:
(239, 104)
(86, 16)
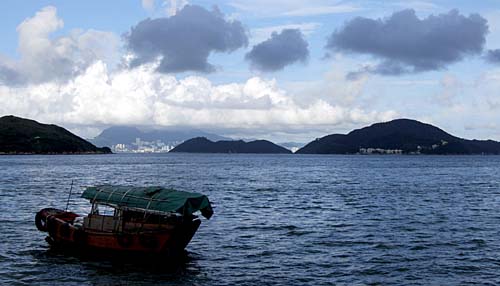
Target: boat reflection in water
(152, 221)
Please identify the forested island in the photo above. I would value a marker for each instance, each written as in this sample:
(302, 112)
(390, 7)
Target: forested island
(400, 136)
(25, 136)
(203, 145)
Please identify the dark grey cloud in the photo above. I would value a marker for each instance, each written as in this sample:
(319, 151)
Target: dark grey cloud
(280, 50)
(407, 44)
(386, 67)
(184, 41)
(493, 56)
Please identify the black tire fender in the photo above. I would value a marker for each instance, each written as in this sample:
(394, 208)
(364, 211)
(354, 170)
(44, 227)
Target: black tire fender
(41, 218)
(41, 221)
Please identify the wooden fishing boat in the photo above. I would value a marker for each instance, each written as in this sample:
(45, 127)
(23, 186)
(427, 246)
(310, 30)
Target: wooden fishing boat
(139, 220)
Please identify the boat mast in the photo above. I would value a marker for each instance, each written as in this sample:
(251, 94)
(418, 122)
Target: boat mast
(69, 196)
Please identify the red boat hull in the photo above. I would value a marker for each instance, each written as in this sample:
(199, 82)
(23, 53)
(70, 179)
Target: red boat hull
(167, 241)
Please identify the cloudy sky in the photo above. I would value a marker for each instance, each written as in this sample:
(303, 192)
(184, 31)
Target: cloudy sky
(285, 70)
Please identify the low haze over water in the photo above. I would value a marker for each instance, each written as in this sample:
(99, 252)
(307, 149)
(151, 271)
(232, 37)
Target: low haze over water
(279, 219)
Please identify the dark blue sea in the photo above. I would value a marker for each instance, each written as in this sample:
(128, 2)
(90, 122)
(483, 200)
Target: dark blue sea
(279, 219)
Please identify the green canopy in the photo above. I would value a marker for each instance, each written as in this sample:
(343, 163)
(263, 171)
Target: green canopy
(150, 198)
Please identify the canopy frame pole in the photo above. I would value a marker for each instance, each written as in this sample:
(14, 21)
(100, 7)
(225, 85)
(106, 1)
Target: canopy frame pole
(94, 206)
(114, 213)
(121, 202)
(146, 214)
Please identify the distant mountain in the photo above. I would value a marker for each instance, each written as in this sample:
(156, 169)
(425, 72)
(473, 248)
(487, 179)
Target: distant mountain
(126, 137)
(292, 146)
(403, 136)
(203, 145)
(24, 136)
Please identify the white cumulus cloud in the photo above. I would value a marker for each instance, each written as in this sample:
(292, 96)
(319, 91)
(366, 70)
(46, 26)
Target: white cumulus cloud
(43, 58)
(173, 6)
(148, 4)
(141, 96)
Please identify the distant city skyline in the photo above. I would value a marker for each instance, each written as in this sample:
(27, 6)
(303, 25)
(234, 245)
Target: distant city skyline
(277, 70)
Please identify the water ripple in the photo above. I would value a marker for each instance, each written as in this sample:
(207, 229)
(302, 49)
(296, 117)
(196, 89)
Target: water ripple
(279, 220)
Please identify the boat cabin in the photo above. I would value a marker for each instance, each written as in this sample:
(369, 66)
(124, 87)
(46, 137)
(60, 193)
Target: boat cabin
(107, 218)
(122, 209)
